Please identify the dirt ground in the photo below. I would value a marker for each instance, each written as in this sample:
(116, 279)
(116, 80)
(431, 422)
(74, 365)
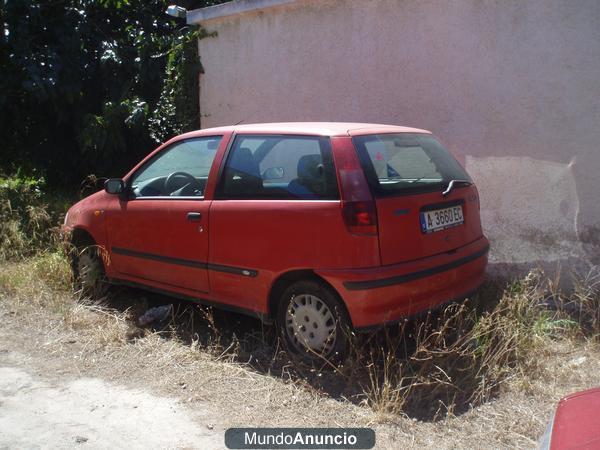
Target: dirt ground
(74, 375)
(40, 411)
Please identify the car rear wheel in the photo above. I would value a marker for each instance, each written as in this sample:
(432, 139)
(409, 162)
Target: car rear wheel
(313, 323)
(88, 271)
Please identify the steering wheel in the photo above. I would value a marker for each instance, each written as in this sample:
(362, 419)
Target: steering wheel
(171, 177)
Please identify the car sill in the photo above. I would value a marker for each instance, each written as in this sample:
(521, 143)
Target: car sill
(236, 309)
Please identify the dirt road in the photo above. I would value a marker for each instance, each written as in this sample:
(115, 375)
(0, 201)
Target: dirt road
(41, 412)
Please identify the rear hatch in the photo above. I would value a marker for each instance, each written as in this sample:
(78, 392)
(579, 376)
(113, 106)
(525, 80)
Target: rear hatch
(420, 212)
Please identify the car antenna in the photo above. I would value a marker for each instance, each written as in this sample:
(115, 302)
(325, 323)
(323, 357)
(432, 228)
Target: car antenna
(243, 120)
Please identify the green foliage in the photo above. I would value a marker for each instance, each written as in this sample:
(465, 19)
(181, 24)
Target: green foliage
(80, 80)
(24, 218)
(104, 136)
(175, 113)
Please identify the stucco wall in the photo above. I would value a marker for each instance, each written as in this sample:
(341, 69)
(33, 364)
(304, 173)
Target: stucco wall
(512, 87)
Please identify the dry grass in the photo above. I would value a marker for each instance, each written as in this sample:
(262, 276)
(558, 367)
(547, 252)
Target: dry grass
(443, 369)
(583, 305)
(18, 230)
(461, 358)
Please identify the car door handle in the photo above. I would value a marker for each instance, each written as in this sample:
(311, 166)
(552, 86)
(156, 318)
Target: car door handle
(194, 216)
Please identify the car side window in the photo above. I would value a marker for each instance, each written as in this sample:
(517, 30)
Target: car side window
(181, 170)
(279, 167)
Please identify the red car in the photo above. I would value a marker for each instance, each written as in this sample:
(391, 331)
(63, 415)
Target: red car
(576, 423)
(315, 226)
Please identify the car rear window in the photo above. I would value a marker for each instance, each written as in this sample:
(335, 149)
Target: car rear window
(406, 163)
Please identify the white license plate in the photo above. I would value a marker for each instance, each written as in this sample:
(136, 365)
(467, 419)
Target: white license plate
(440, 219)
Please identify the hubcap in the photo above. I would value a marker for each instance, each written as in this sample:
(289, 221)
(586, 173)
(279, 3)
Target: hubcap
(310, 324)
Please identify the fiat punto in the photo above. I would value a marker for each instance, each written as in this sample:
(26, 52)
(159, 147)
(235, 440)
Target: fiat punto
(319, 228)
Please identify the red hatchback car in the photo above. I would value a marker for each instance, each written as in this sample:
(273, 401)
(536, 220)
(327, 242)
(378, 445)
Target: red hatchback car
(315, 226)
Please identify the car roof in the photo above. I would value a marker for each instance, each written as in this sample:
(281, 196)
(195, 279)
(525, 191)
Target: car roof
(309, 128)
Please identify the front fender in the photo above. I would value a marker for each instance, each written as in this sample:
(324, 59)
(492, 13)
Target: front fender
(88, 215)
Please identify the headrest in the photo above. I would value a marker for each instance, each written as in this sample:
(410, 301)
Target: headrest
(310, 167)
(243, 161)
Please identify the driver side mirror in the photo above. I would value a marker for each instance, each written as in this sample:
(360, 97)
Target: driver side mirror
(114, 186)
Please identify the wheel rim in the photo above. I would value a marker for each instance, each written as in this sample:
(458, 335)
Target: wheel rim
(89, 269)
(310, 324)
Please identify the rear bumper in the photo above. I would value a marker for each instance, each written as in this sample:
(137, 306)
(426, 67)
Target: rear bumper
(385, 294)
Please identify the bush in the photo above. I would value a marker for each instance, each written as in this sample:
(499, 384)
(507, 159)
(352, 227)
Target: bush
(25, 221)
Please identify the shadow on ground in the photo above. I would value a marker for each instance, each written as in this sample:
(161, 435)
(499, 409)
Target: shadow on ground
(243, 339)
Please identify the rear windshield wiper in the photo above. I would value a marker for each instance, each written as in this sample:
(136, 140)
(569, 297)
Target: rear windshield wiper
(454, 183)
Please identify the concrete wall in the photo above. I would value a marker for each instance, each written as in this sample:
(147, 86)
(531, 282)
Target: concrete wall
(512, 87)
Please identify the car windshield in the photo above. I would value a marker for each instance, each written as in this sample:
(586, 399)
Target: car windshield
(407, 162)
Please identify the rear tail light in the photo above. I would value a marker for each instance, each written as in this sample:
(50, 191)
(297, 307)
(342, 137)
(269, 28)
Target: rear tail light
(360, 217)
(358, 208)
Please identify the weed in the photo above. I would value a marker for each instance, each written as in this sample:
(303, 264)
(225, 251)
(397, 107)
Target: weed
(54, 269)
(462, 357)
(582, 305)
(26, 221)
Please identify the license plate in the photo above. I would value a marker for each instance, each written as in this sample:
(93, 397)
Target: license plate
(441, 219)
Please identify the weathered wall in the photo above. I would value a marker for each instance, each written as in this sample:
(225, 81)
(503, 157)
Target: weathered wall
(511, 87)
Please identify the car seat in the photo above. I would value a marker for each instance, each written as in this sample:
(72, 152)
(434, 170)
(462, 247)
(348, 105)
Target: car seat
(310, 181)
(242, 174)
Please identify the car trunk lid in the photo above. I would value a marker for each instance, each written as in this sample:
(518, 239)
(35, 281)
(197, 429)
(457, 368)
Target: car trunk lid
(403, 235)
(426, 203)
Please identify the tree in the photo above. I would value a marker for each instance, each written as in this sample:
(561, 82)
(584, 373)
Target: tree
(82, 80)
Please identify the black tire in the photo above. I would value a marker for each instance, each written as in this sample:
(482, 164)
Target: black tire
(307, 330)
(88, 272)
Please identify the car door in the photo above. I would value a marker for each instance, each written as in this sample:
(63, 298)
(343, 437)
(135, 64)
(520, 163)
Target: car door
(276, 208)
(158, 234)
